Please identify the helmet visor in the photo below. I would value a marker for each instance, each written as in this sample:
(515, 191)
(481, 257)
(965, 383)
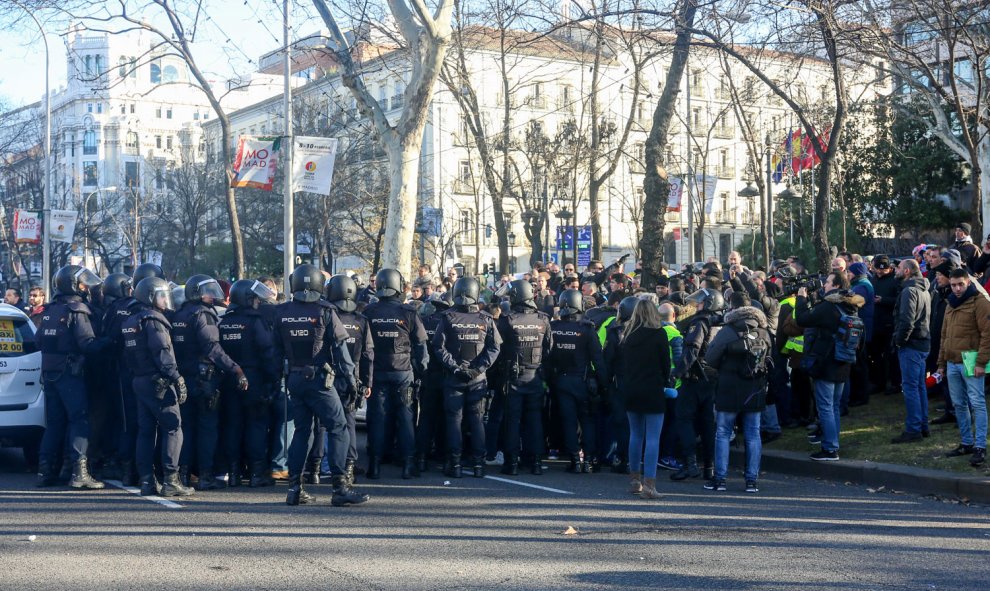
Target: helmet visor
(699, 296)
(161, 298)
(263, 292)
(209, 288)
(88, 278)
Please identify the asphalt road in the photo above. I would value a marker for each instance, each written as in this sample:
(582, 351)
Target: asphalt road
(433, 533)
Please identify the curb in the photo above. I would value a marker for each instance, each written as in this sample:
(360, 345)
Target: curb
(922, 481)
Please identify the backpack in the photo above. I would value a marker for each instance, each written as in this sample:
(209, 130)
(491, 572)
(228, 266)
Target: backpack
(755, 351)
(848, 337)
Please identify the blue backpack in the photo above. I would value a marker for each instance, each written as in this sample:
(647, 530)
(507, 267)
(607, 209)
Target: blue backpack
(848, 337)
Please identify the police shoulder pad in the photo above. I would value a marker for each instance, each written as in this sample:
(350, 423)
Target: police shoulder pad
(79, 307)
(543, 315)
(325, 305)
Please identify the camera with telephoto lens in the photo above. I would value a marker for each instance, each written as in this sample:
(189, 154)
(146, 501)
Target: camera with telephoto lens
(791, 285)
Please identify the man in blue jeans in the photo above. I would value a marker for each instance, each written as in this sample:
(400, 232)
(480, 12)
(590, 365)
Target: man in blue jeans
(966, 329)
(828, 373)
(913, 341)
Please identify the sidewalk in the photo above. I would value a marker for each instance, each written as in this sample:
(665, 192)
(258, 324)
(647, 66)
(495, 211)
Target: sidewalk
(922, 481)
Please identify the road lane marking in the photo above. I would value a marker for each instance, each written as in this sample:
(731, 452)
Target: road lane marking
(528, 485)
(136, 491)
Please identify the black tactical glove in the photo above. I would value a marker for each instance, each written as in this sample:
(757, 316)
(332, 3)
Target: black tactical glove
(181, 393)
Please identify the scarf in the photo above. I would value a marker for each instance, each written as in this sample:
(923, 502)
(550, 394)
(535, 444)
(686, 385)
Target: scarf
(955, 302)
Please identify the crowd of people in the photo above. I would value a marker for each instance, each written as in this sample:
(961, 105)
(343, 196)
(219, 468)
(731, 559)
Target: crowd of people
(212, 385)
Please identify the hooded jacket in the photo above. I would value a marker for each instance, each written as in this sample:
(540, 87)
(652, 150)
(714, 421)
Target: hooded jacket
(912, 315)
(966, 327)
(729, 353)
(822, 322)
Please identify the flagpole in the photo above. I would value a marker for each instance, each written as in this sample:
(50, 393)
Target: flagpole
(288, 229)
(690, 173)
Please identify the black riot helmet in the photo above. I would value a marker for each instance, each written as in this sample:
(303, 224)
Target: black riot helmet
(710, 299)
(626, 307)
(244, 292)
(521, 293)
(388, 283)
(74, 280)
(306, 283)
(117, 285)
(342, 292)
(155, 292)
(146, 270)
(178, 295)
(202, 286)
(571, 302)
(467, 291)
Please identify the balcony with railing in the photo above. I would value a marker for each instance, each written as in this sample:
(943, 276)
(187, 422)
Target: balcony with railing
(398, 101)
(537, 102)
(722, 93)
(725, 172)
(697, 91)
(724, 132)
(672, 216)
(725, 217)
(636, 166)
(750, 218)
(463, 187)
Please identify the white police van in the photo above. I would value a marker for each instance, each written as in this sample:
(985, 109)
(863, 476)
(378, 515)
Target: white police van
(22, 406)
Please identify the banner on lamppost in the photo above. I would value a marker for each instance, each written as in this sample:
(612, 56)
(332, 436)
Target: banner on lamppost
(63, 225)
(27, 226)
(676, 190)
(256, 161)
(312, 164)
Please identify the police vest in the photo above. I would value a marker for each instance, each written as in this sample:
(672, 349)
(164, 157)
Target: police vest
(430, 324)
(529, 329)
(185, 340)
(137, 355)
(390, 324)
(237, 330)
(570, 345)
(466, 334)
(793, 344)
(56, 335)
(672, 333)
(300, 327)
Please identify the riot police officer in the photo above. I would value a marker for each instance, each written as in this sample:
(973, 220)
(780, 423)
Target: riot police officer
(574, 362)
(400, 359)
(342, 295)
(247, 338)
(310, 337)
(695, 404)
(431, 387)
(198, 352)
(525, 332)
(157, 385)
(65, 337)
(467, 344)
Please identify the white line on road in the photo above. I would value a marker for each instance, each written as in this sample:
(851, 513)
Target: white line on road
(135, 491)
(528, 485)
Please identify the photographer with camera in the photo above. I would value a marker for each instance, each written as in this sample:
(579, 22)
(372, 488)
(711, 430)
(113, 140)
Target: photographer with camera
(831, 347)
(794, 405)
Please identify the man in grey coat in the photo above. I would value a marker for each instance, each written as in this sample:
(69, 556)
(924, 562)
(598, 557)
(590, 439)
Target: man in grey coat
(913, 341)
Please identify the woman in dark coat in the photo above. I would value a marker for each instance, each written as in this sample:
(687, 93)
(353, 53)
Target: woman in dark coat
(644, 368)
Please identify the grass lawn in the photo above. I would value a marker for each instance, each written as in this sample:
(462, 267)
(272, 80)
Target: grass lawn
(867, 431)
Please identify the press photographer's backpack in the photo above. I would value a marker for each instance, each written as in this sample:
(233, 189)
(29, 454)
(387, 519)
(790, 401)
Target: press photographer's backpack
(757, 361)
(848, 337)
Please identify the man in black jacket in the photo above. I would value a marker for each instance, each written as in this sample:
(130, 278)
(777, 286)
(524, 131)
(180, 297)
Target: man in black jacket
(964, 244)
(913, 343)
(828, 373)
(884, 362)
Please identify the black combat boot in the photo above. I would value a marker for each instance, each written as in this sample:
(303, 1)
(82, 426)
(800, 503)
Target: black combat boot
(421, 463)
(65, 472)
(260, 475)
(173, 487)
(149, 486)
(344, 495)
(537, 468)
(374, 468)
(689, 469)
(409, 469)
(207, 481)
(479, 467)
(576, 466)
(511, 466)
(296, 494)
(46, 474)
(129, 475)
(234, 475)
(453, 467)
(112, 470)
(594, 466)
(349, 469)
(620, 466)
(81, 477)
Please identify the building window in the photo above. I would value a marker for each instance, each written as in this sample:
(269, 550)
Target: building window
(123, 109)
(89, 107)
(122, 66)
(168, 143)
(99, 107)
(99, 65)
(89, 143)
(159, 180)
(132, 139)
(131, 177)
(90, 175)
(156, 74)
(168, 113)
(88, 61)
(170, 74)
(132, 108)
(196, 116)
(158, 142)
(158, 112)
(466, 226)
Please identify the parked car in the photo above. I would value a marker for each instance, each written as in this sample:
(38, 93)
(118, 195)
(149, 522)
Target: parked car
(22, 406)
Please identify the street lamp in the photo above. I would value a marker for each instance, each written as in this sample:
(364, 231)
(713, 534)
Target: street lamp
(86, 220)
(512, 252)
(749, 192)
(791, 194)
(564, 220)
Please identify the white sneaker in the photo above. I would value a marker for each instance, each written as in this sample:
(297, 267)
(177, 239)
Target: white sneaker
(498, 461)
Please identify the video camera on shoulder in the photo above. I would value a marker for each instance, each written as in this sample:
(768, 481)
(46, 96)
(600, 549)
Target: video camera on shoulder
(790, 285)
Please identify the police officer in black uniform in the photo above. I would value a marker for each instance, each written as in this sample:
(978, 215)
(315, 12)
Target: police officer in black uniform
(342, 295)
(248, 339)
(400, 359)
(197, 349)
(431, 389)
(575, 365)
(525, 332)
(467, 344)
(157, 386)
(65, 337)
(122, 424)
(695, 403)
(310, 336)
